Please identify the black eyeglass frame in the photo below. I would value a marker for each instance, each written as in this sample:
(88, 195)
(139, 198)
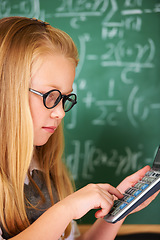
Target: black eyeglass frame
(61, 96)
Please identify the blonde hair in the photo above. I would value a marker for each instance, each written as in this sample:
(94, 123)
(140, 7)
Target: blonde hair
(23, 43)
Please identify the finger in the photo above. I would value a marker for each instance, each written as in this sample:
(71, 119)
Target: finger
(104, 209)
(139, 174)
(108, 196)
(106, 193)
(112, 190)
(112, 197)
(106, 200)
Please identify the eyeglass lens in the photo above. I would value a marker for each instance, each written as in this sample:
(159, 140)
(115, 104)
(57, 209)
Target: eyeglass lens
(68, 102)
(53, 98)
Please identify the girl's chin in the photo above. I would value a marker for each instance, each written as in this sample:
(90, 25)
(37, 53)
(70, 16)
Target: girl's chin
(41, 142)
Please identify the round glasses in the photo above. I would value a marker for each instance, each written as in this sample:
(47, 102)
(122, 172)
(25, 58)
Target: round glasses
(53, 97)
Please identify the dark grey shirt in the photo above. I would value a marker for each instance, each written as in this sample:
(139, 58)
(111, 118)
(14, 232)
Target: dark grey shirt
(32, 195)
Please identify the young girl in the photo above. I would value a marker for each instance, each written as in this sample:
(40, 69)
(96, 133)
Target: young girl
(37, 70)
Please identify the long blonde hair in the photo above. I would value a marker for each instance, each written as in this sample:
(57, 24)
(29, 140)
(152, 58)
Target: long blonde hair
(22, 43)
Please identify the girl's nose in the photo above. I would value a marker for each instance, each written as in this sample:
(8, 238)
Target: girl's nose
(58, 111)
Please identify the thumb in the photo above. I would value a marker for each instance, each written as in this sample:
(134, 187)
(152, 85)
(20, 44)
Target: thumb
(139, 174)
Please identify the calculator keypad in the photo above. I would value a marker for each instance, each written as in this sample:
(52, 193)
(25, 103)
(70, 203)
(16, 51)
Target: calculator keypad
(131, 193)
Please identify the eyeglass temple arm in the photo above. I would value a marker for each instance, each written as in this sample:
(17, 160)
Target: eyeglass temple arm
(36, 92)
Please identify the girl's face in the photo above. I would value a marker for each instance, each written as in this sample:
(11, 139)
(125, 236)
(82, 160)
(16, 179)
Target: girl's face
(56, 72)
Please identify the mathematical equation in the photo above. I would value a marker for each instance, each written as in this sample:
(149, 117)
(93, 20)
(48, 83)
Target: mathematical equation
(137, 109)
(27, 8)
(132, 60)
(121, 53)
(89, 157)
(79, 11)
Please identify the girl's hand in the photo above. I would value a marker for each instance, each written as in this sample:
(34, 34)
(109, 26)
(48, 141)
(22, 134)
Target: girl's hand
(131, 180)
(92, 196)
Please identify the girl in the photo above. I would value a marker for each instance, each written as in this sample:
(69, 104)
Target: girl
(37, 70)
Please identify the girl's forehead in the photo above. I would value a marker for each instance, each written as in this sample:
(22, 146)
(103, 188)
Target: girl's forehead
(55, 71)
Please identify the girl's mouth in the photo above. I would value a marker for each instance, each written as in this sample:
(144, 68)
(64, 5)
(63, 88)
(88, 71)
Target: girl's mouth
(49, 129)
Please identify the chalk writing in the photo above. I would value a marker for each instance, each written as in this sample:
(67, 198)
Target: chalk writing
(82, 8)
(141, 55)
(137, 108)
(89, 157)
(29, 8)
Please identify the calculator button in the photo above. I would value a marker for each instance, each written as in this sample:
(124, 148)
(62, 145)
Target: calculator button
(124, 198)
(127, 191)
(115, 211)
(112, 209)
(154, 175)
(148, 179)
(144, 186)
(138, 185)
(130, 199)
(122, 205)
(130, 191)
(117, 203)
(137, 193)
(145, 179)
(149, 173)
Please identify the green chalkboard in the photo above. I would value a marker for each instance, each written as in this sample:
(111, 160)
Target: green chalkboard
(115, 128)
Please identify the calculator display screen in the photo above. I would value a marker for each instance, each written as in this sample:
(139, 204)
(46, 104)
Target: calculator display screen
(156, 163)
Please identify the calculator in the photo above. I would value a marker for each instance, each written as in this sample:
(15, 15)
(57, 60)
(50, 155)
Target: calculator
(134, 196)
